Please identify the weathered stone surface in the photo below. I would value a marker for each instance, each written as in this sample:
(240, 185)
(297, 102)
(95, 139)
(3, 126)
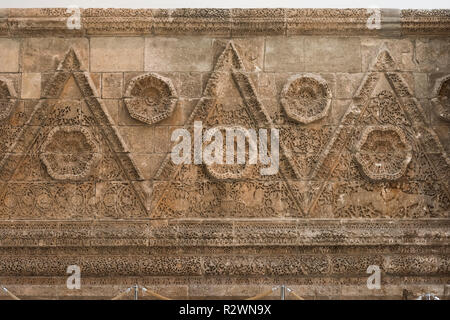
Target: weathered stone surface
(45, 54)
(117, 54)
(332, 54)
(31, 85)
(401, 49)
(433, 55)
(112, 85)
(285, 54)
(178, 54)
(86, 175)
(9, 51)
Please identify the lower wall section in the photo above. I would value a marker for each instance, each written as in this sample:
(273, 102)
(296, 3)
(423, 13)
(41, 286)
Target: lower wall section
(193, 263)
(226, 288)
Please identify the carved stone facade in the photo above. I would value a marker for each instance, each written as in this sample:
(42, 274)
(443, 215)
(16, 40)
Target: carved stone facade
(86, 175)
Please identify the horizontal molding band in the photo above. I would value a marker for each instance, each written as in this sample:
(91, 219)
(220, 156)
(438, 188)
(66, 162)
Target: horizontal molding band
(223, 22)
(297, 265)
(224, 233)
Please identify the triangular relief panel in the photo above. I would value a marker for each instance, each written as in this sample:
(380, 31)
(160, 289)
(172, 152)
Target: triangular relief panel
(383, 160)
(68, 161)
(197, 190)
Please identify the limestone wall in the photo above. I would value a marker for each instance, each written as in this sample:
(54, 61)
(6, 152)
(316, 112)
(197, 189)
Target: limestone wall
(86, 178)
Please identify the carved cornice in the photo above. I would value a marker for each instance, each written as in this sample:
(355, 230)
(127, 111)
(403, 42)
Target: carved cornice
(212, 233)
(215, 248)
(222, 22)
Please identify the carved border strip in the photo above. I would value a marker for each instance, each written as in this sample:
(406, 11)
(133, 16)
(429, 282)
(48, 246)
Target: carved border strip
(223, 22)
(218, 233)
(238, 265)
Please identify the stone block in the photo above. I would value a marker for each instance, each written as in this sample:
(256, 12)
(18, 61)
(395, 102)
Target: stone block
(178, 54)
(31, 86)
(284, 54)
(328, 54)
(421, 85)
(110, 54)
(45, 54)
(112, 85)
(161, 139)
(347, 84)
(432, 55)
(9, 53)
(113, 109)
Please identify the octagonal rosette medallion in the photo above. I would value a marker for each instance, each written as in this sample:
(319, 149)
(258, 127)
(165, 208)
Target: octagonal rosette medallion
(150, 98)
(383, 153)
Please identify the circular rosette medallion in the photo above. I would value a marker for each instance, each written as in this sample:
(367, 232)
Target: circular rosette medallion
(306, 98)
(69, 152)
(150, 98)
(383, 153)
(237, 145)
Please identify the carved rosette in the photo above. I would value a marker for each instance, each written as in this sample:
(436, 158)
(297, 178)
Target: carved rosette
(230, 171)
(150, 98)
(441, 98)
(383, 153)
(306, 98)
(226, 171)
(69, 152)
(7, 95)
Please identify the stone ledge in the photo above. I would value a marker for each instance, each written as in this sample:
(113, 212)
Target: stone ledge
(223, 22)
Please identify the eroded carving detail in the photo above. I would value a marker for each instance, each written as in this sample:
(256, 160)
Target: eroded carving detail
(441, 98)
(69, 152)
(389, 119)
(306, 98)
(7, 95)
(150, 98)
(66, 135)
(383, 153)
(229, 100)
(228, 171)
